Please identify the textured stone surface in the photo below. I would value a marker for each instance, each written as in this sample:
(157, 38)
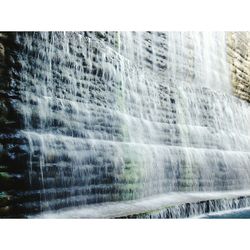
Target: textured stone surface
(101, 116)
(238, 44)
(4, 197)
(12, 162)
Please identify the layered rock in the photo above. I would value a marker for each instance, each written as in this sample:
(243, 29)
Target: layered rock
(13, 153)
(238, 44)
(91, 117)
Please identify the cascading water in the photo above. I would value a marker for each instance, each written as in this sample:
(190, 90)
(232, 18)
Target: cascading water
(124, 115)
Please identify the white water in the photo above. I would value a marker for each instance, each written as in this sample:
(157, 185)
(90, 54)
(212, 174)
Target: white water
(155, 206)
(126, 115)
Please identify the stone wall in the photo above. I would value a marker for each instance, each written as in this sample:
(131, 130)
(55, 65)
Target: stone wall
(238, 56)
(13, 160)
(88, 55)
(4, 113)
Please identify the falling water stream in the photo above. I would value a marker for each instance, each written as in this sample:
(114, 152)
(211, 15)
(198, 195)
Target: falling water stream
(114, 116)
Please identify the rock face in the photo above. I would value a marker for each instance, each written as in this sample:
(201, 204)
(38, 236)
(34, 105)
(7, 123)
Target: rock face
(238, 44)
(91, 117)
(13, 157)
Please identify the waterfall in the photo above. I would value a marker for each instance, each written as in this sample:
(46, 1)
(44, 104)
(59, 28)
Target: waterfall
(113, 116)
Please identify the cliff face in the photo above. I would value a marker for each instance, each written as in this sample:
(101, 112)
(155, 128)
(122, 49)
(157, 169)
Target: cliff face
(5, 178)
(4, 198)
(238, 49)
(13, 147)
(91, 117)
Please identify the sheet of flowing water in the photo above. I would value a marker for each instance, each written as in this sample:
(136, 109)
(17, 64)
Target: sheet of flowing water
(123, 115)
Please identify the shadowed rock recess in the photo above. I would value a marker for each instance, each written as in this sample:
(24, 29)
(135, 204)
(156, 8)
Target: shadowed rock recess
(94, 117)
